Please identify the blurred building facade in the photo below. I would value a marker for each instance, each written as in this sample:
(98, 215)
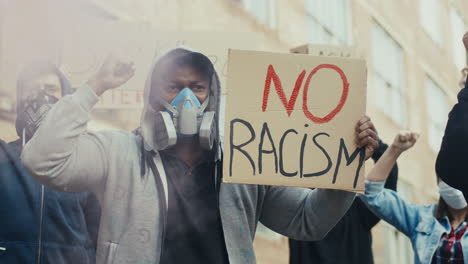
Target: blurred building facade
(413, 50)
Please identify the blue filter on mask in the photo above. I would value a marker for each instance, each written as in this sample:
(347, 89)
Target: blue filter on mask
(187, 112)
(186, 96)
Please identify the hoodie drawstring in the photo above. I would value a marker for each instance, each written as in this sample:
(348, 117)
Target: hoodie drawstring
(143, 161)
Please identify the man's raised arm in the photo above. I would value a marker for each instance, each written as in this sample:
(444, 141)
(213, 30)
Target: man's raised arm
(62, 154)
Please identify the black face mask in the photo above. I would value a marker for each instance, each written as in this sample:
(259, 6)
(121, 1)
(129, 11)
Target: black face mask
(31, 112)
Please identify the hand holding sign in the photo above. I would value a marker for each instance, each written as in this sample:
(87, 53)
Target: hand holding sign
(366, 136)
(112, 74)
(291, 121)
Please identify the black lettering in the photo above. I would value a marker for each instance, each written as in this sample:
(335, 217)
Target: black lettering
(320, 173)
(261, 151)
(349, 160)
(281, 165)
(239, 147)
(301, 157)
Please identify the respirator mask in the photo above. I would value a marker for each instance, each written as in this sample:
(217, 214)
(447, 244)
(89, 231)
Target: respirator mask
(32, 111)
(186, 117)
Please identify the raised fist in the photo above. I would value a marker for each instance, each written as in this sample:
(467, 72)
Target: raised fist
(112, 74)
(405, 140)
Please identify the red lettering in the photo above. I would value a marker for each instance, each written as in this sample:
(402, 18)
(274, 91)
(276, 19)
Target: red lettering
(337, 109)
(271, 75)
(289, 104)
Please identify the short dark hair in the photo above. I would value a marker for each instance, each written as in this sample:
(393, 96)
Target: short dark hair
(35, 70)
(180, 58)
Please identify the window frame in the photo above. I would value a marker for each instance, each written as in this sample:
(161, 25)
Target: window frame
(333, 36)
(252, 7)
(457, 45)
(385, 87)
(434, 30)
(434, 137)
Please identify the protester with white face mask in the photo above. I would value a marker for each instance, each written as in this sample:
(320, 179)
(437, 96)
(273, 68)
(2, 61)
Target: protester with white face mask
(438, 231)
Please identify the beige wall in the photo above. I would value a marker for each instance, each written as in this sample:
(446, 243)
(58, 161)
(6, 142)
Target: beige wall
(399, 17)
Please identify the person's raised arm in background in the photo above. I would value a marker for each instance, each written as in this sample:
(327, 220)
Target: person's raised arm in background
(368, 218)
(384, 203)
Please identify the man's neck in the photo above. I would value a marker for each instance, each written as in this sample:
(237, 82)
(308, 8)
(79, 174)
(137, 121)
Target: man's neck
(188, 150)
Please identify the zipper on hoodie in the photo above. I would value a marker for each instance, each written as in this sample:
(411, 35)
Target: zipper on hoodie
(40, 226)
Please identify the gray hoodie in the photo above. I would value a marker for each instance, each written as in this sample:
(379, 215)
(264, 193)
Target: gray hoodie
(64, 155)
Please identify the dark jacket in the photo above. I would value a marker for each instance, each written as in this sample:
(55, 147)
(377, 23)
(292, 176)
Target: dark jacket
(37, 224)
(452, 161)
(40, 225)
(350, 241)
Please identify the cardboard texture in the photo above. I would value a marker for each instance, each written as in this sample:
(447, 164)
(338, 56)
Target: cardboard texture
(327, 50)
(290, 120)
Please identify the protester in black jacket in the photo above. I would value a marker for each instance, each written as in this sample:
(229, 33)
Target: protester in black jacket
(350, 241)
(452, 161)
(37, 224)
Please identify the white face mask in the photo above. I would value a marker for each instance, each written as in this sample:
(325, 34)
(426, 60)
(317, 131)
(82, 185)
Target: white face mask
(453, 197)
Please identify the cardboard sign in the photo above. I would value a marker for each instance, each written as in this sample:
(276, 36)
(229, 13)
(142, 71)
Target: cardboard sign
(290, 120)
(327, 50)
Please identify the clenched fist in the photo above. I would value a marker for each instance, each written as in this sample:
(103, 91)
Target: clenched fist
(112, 74)
(404, 141)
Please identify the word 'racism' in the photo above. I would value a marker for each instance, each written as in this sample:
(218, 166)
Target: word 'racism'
(267, 145)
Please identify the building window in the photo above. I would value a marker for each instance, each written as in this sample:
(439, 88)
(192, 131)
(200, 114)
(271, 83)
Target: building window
(398, 247)
(387, 57)
(263, 10)
(437, 111)
(328, 21)
(458, 30)
(429, 17)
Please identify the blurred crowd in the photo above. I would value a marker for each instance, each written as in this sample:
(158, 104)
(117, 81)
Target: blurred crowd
(154, 194)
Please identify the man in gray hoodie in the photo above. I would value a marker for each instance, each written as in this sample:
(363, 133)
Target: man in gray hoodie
(162, 200)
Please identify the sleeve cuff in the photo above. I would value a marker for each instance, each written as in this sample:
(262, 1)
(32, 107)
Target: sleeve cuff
(374, 187)
(379, 151)
(86, 98)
